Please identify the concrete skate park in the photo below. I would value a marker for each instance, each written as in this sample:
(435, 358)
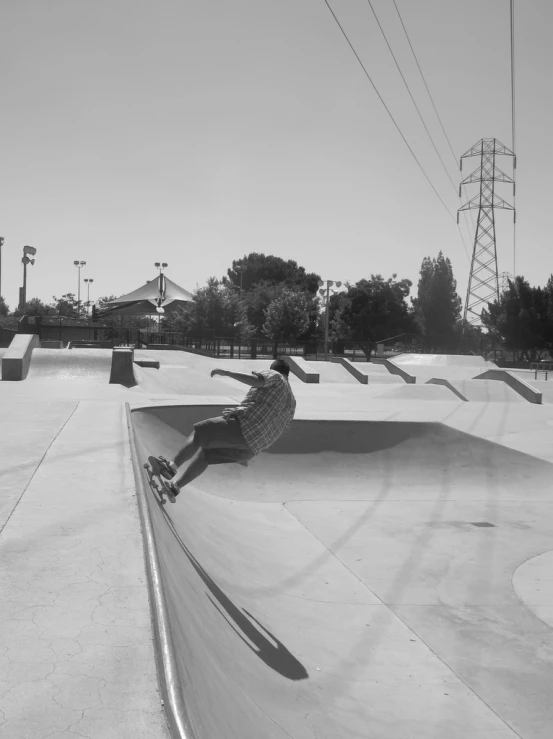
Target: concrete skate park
(385, 570)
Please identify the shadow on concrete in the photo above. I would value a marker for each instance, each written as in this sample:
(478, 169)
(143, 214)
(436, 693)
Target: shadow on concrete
(269, 650)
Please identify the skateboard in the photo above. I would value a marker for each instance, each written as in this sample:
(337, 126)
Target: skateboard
(155, 478)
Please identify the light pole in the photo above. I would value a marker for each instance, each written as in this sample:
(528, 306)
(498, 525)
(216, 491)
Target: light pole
(240, 268)
(79, 265)
(323, 292)
(88, 280)
(25, 261)
(161, 285)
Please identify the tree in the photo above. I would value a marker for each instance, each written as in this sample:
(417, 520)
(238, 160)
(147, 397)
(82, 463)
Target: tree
(288, 316)
(522, 319)
(104, 301)
(437, 305)
(339, 328)
(35, 307)
(67, 305)
(255, 268)
(216, 310)
(4, 309)
(374, 309)
(256, 301)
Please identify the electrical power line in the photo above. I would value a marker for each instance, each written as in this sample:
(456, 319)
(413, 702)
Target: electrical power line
(437, 115)
(388, 110)
(512, 19)
(453, 185)
(425, 84)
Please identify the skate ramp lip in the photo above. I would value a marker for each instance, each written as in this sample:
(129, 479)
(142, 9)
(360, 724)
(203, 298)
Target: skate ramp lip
(250, 600)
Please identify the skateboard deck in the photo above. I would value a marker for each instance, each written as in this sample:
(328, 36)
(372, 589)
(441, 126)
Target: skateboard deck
(155, 479)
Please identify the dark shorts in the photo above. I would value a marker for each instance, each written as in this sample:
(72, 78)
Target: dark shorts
(222, 441)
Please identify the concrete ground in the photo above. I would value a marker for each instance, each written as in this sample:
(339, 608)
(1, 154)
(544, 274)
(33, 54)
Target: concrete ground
(389, 578)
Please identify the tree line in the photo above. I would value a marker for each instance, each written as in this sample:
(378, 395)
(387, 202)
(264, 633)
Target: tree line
(266, 297)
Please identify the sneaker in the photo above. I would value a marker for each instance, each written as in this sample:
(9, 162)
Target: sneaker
(168, 469)
(171, 491)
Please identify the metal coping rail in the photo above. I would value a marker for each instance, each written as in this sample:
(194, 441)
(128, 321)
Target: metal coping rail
(175, 709)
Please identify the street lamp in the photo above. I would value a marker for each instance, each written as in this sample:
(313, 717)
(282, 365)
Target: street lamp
(25, 261)
(161, 284)
(79, 265)
(326, 292)
(88, 280)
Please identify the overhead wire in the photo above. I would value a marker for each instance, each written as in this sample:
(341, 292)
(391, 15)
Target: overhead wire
(418, 111)
(411, 94)
(512, 24)
(437, 116)
(388, 110)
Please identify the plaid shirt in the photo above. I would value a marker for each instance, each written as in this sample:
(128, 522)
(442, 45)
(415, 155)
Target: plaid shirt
(266, 412)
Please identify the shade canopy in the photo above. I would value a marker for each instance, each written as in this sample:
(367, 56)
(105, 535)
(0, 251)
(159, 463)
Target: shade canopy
(160, 292)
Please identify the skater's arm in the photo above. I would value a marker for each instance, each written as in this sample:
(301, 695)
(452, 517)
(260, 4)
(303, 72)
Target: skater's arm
(253, 380)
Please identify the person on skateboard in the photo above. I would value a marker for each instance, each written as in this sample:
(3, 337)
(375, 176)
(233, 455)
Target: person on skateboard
(239, 433)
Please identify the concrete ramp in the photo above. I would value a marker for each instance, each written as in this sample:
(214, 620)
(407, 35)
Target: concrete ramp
(379, 374)
(68, 364)
(333, 372)
(487, 391)
(444, 360)
(479, 391)
(92, 367)
(353, 581)
(408, 391)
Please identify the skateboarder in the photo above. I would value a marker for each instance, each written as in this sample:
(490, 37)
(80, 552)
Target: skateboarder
(239, 433)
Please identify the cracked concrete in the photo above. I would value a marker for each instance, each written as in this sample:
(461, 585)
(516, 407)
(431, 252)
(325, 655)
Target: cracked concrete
(76, 649)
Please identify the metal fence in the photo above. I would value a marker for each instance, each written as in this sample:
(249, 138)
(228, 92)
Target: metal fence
(6, 336)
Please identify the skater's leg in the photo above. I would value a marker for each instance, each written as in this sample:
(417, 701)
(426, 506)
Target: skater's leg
(198, 464)
(188, 450)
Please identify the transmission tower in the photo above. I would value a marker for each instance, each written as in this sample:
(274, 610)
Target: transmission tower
(483, 280)
(505, 277)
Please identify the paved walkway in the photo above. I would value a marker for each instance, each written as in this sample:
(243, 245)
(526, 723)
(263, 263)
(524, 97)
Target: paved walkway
(76, 650)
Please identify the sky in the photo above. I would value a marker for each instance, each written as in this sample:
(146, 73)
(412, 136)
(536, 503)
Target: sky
(195, 132)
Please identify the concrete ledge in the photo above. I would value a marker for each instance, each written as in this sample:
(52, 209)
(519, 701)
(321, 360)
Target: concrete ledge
(395, 370)
(302, 369)
(362, 377)
(448, 385)
(16, 361)
(190, 350)
(165, 347)
(515, 382)
(147, 363)
(90, 345)
(122, 368)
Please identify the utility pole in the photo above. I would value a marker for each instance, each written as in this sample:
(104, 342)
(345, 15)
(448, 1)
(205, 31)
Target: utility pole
(325, 293)
(483, 280)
